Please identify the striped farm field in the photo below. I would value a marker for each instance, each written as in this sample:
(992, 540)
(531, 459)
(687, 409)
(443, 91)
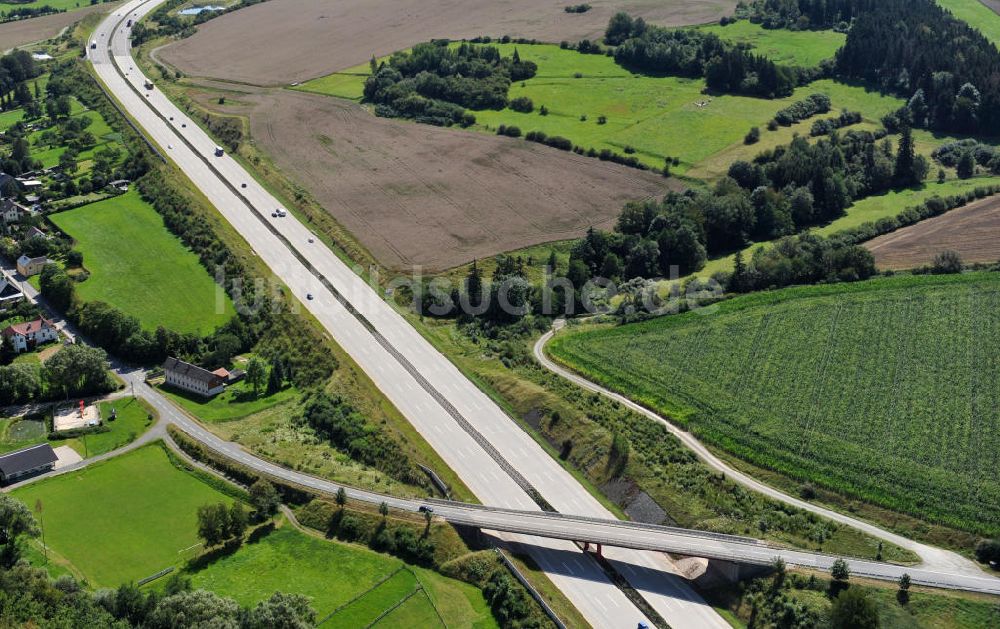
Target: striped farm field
(887, 390)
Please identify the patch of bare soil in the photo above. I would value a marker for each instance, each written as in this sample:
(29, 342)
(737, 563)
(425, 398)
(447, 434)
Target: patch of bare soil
(23, 32)
(993, 4)
(284, 41)
(415, 194)
(971, 231)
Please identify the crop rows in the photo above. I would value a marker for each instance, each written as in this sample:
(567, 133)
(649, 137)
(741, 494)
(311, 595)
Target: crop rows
(889, 394)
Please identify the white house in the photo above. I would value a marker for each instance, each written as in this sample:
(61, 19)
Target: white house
(31, 266)
(29, 335)
(193, 378)
(11, 211)
(10, 292)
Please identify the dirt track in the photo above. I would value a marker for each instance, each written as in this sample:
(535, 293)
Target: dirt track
(22, 32)
(971, 231)
(421, 195)
(284, 41)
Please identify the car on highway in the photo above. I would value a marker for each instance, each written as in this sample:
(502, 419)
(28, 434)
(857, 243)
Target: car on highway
(426, 509)
(309, 296)
(219, 151)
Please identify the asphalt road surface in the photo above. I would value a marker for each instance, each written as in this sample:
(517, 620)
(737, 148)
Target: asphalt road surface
(485, 447)
(497, 460)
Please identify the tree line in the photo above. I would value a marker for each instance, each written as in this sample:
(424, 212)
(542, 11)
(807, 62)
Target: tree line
(337, 421)
(435, 83)
(945, 67)
(726, 67)
(800, 15)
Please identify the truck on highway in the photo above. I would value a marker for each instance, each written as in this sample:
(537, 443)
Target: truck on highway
(219, 151)
(148, 84)
(93, 44)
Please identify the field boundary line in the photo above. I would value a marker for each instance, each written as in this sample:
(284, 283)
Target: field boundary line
(377, 585)
(398, 604)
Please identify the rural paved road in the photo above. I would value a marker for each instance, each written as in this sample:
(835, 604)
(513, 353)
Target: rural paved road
(936, 559)
(544, 527)
(497, 460)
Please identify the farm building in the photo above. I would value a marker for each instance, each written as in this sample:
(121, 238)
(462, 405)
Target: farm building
(10, 292)
(31, 266)
(27, 462)
(29, 335)
(193, 378)
(229, 377)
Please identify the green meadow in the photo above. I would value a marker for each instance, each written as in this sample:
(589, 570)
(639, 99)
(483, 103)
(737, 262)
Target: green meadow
(141, 268)
(795, 48)
(122, 519)
(351, 584)
(656, 117)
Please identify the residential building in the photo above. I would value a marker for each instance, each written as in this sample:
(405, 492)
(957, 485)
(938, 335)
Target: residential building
(30, 461)
(10, 292)
(34, 232)
(30, 334)
(11, 211)
(193, 378)
(31, 266)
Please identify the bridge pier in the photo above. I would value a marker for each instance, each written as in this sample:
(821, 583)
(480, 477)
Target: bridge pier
(586, 548)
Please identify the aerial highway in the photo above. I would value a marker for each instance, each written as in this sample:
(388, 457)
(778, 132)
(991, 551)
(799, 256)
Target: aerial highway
(500, 463)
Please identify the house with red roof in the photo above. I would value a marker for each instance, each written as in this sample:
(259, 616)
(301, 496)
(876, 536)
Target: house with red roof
(30, 334)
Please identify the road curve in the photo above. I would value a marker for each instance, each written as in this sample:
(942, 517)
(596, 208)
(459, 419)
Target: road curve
(932, 558)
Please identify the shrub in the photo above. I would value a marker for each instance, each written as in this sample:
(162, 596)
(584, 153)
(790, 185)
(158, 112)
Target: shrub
(752, 136)
(948, 261)
(522, 104)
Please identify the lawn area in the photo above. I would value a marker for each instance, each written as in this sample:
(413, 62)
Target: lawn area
(236, 402)
(18, 432)
(794, 48)
(334, 574)
(656, 116)
(140, 267)
(122, 519)
(976, 14)
(132, 421)
(884, 390)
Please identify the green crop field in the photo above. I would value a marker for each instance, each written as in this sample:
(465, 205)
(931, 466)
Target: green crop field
(656, 116)
(795, 48)
(140, 267)
(122, 519)
(886, 390)
(357, 583)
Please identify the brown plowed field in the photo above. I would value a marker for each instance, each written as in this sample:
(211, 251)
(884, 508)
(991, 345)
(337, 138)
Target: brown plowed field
(973, 231)
(415, 194)
(284, 41)
(22, 32)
